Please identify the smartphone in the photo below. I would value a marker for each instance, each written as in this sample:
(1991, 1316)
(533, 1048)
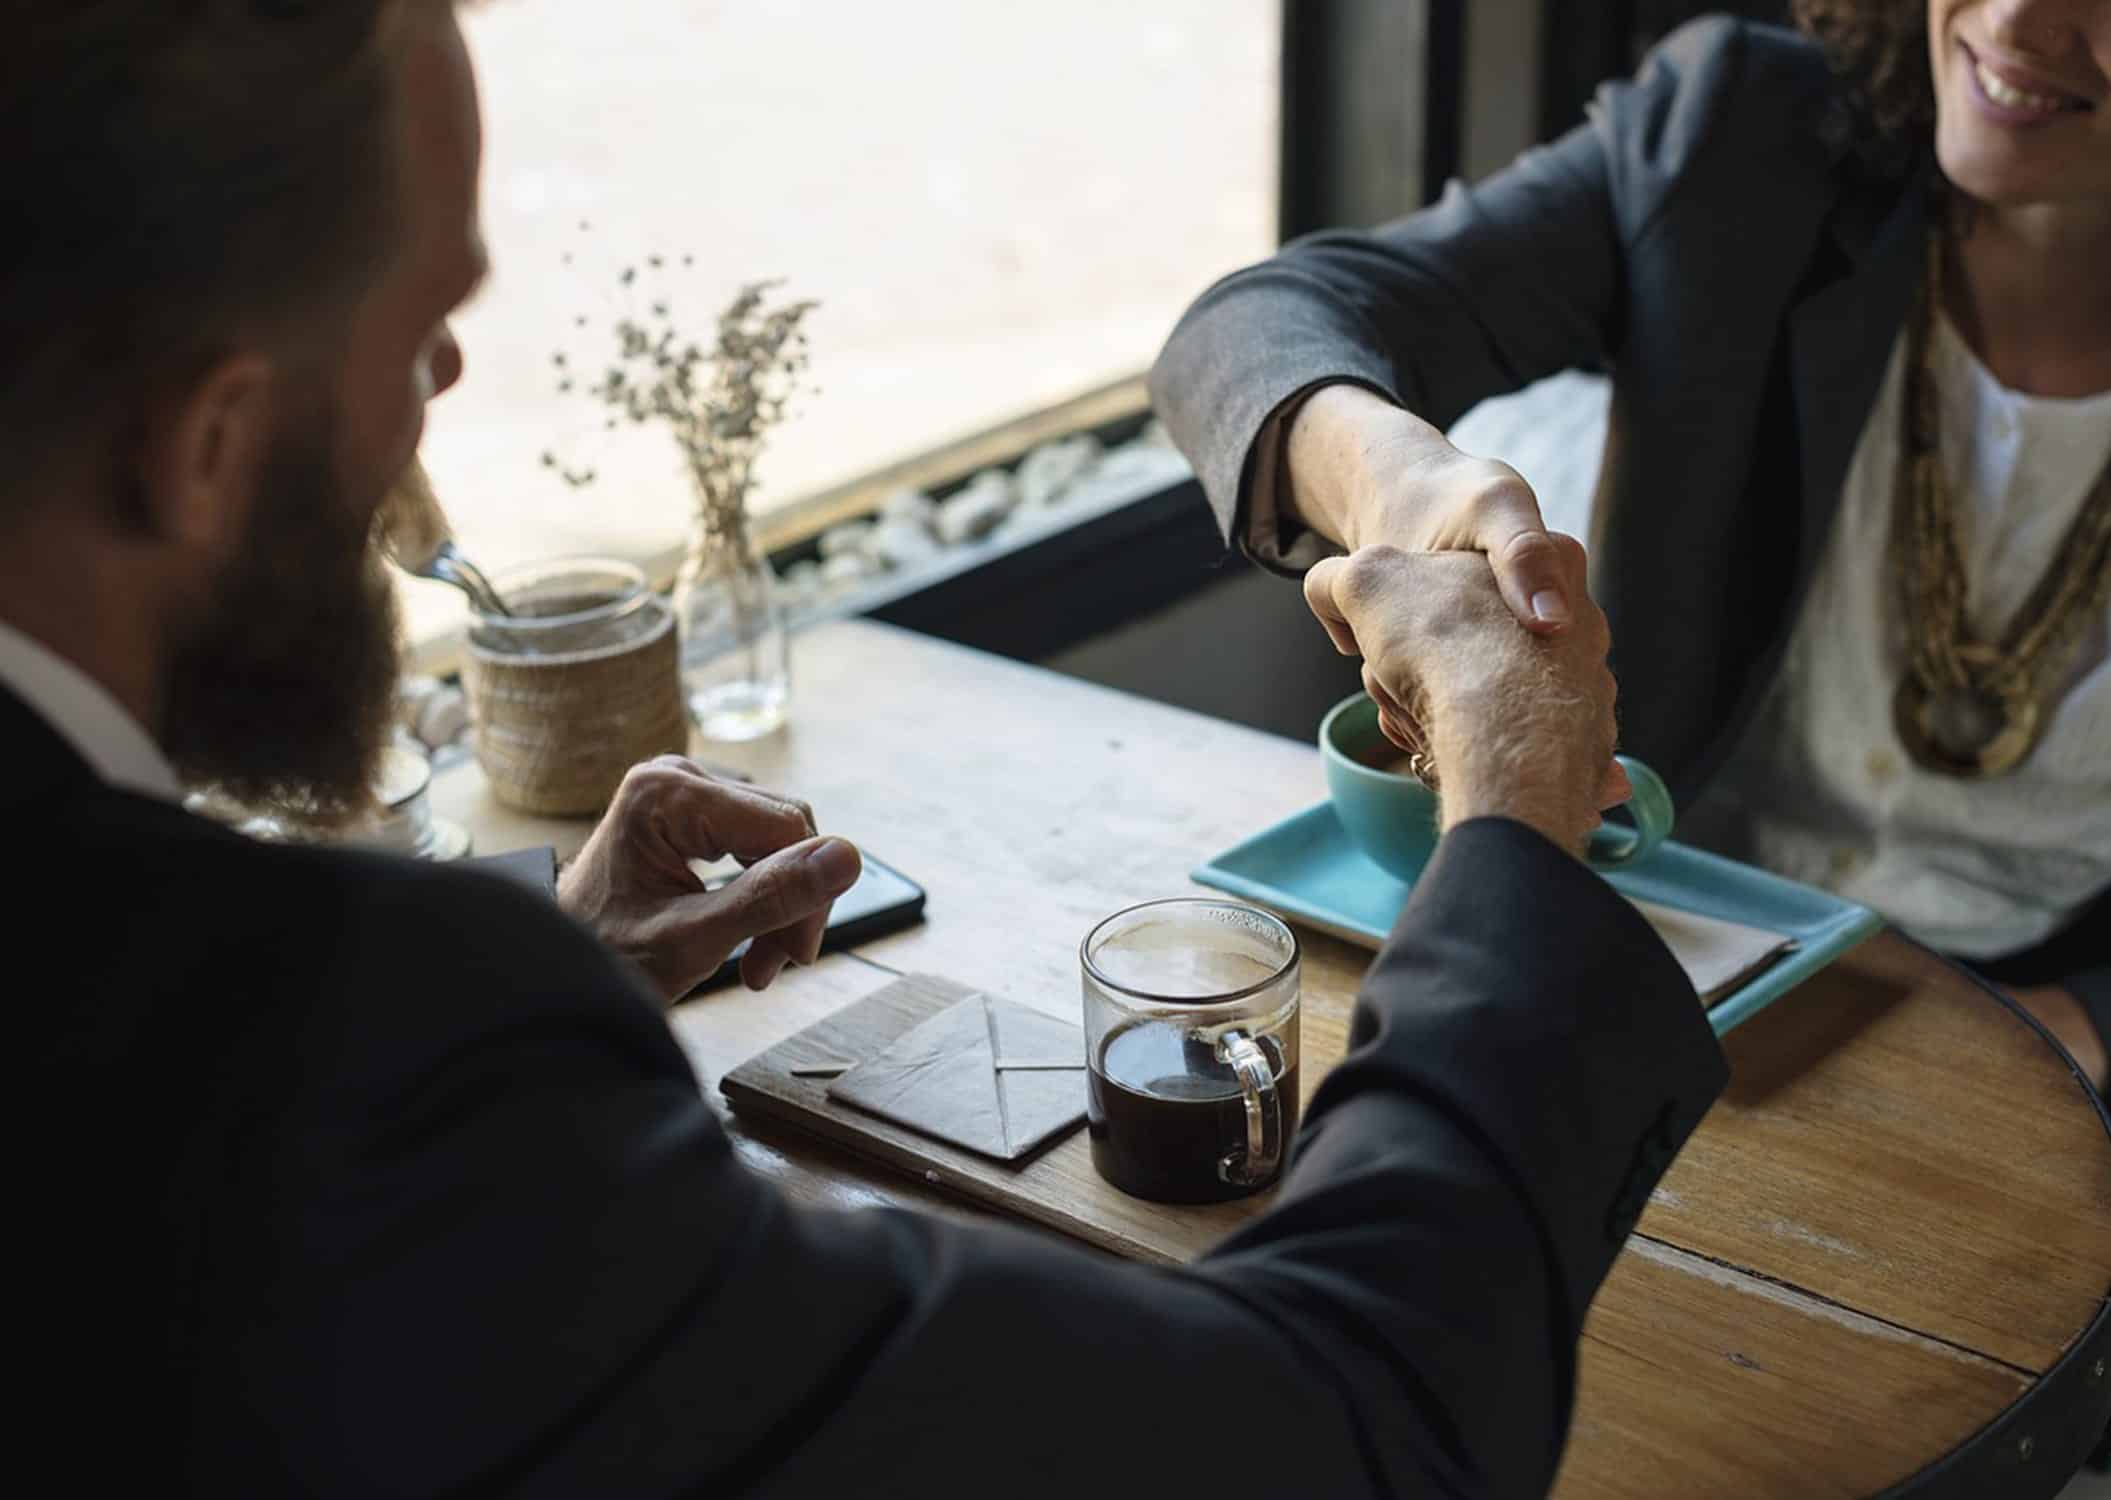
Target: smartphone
(883, 901)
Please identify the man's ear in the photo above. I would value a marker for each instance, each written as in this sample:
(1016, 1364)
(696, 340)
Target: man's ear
(204, 445)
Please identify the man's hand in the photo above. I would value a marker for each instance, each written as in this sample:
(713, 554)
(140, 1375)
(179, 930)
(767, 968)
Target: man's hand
(1364, 473)
(633, 886)
(1521, 726)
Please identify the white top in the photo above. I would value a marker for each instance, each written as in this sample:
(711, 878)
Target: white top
(84, 714)
(1821, 788)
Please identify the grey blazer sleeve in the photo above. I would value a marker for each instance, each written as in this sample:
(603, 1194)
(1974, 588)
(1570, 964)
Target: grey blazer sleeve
(1491, 288)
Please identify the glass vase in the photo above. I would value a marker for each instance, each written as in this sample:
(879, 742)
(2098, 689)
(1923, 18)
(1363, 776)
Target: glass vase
(736, 660)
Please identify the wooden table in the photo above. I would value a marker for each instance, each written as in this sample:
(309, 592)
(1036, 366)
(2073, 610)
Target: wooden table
(1891, 1238)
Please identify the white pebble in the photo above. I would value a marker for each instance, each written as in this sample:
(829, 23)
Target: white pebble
(992, 482)
(1136, 467)
(1051, 469)
(976, 511)
(903, 544)
(845, 568)
(444, 717)
(852, 537)
(802, 580)
(912, 506)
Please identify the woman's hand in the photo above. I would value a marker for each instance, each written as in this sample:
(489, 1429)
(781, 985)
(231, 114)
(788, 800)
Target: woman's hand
(1362, 472)
(2061, 1014)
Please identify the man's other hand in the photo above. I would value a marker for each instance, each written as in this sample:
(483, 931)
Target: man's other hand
(632, 883)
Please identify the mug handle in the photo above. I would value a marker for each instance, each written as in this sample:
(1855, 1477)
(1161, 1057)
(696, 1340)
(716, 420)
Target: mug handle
(1613, 846)
(1257, 1161)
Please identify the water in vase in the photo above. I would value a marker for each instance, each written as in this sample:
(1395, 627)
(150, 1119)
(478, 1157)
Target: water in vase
(736, 658)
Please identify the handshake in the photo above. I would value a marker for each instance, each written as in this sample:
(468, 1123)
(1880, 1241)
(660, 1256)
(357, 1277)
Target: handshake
(1480, 643)
(1508, 721)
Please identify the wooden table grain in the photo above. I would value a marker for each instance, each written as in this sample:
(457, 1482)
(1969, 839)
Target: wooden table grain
(1894, 1228)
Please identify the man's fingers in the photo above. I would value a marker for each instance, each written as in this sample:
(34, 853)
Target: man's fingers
(779, 896)
(1383, 695)
(802, 941)
(1321, 580)
(1615, 788)
(1527, 562)
(765, 959)
(709, 819)
(1402, 736)
(1394, 722)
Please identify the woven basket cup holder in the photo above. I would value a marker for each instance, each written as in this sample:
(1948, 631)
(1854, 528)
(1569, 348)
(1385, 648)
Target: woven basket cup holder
(580, 685)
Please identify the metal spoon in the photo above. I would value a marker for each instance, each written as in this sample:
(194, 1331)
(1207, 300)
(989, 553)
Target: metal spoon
(448, 565)
(413, 531)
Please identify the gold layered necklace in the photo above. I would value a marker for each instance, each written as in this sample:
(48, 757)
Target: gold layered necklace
(1967, 706)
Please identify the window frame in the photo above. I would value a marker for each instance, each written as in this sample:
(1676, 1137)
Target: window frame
(1355, 147)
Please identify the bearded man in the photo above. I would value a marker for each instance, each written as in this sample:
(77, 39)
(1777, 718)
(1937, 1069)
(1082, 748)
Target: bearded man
(351, 1175)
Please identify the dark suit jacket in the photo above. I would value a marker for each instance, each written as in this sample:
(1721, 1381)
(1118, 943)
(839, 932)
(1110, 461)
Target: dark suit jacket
(1712, 239)
(346, 1175)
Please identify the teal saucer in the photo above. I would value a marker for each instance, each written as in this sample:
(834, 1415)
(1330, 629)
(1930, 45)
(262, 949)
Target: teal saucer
(1306, 868)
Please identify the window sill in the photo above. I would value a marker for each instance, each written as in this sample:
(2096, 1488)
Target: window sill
(791, 533)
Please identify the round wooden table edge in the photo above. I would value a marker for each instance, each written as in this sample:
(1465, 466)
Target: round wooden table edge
(2033, 1448)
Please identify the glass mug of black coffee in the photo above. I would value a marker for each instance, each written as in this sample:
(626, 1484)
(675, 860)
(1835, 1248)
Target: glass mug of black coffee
(1191, 1012)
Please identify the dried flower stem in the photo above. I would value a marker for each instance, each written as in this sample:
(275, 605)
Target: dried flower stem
(720, 403)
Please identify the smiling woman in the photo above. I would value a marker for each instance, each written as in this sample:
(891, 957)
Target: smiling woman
(1979, 56)
(1853, 530)
(2022, 90)
(997, 207)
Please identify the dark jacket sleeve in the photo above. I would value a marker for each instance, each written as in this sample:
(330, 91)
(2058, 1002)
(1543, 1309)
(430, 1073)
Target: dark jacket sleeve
(1496, 285)
(509, 1249)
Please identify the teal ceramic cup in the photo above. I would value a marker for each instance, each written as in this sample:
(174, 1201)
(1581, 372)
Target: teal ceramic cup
(1392, 818)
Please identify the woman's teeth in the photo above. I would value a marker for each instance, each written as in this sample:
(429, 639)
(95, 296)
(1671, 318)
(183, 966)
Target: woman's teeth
(2009, 97)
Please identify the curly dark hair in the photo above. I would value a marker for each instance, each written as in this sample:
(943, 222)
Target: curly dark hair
(1881, 48)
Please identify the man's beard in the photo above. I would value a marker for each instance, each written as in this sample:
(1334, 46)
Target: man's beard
(282, 696)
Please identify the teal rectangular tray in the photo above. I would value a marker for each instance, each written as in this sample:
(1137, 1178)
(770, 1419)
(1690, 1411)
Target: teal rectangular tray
(1306, 868)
